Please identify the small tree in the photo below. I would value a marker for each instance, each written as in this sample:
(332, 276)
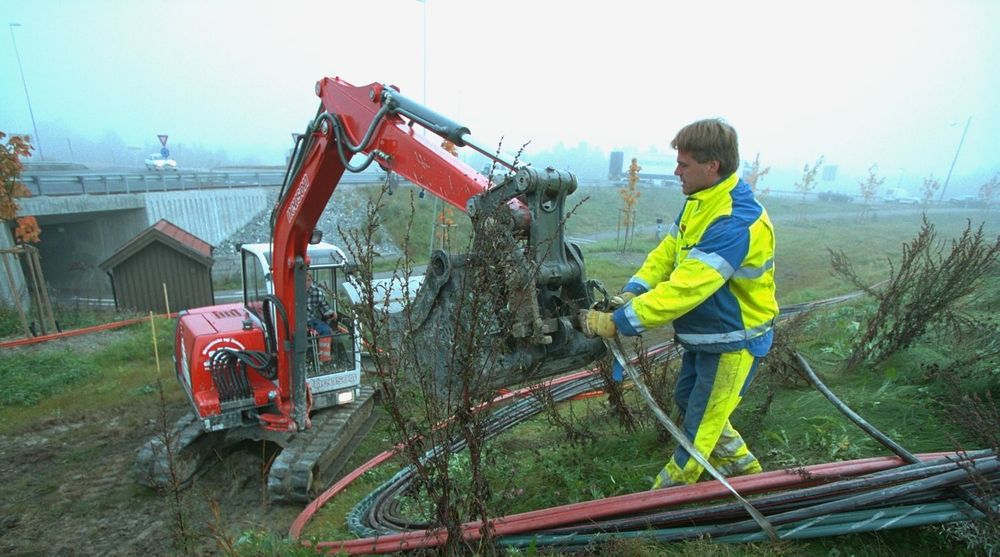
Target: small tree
(989, 190)
(807, 183)
(869, 189)
(11, 188)
(630, 195)
(928, 189)
(755, 174)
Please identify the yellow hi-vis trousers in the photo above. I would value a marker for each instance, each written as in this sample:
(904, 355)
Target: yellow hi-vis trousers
(709, 388)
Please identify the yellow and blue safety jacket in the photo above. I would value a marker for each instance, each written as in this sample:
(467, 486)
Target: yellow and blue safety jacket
(712, 275)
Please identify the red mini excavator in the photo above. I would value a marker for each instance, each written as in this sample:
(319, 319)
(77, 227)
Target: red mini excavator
(249, 369)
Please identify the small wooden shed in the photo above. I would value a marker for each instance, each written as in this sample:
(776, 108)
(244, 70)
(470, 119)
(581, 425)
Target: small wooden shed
(163, 254)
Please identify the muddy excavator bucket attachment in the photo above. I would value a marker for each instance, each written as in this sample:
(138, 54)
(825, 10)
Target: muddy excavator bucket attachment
(504, 313)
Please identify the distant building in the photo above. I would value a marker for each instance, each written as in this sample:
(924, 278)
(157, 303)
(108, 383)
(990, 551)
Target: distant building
(615, 169)
(655, 169)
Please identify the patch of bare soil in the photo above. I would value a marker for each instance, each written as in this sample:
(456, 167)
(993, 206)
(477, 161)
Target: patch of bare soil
(83, 343)
(67, 488)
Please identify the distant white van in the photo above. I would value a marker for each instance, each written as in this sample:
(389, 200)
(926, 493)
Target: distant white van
(900, 196)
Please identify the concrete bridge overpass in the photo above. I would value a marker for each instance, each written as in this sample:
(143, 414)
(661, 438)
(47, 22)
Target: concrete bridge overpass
(86, 217)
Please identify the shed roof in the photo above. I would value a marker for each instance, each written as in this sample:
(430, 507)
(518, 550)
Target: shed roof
(168, 233)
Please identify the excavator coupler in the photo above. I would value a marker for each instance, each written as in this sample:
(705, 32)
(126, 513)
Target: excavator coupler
(504, 313)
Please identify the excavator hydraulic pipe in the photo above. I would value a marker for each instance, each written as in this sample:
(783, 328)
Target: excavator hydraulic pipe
(441, 125)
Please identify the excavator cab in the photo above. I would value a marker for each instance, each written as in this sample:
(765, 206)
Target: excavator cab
(333, 352)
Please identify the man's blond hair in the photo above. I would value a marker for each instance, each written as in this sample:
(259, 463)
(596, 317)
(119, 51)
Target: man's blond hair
(712, 139)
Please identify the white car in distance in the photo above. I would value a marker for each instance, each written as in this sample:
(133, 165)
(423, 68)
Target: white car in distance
(158, 162)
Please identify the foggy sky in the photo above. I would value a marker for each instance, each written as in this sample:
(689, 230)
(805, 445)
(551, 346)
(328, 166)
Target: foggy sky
(861, 83)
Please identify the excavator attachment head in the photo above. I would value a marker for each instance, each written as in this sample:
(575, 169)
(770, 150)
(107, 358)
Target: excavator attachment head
(503, 313)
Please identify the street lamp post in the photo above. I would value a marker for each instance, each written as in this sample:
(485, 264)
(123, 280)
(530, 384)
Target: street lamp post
(954, 160)
(38, 139)
(424, 2)
(430, 249)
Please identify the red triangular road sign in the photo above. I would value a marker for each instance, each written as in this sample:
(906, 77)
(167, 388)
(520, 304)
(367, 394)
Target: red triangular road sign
(163, 140)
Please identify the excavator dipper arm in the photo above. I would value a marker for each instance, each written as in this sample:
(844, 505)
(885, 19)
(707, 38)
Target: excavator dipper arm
(376, 123)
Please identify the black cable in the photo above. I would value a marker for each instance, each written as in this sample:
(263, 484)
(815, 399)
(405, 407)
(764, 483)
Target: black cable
(774, 502)
(882, 438)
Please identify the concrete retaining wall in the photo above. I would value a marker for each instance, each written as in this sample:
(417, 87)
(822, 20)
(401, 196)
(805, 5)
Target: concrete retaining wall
(211, 215)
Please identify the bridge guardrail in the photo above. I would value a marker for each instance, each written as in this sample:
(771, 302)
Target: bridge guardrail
(95, 183)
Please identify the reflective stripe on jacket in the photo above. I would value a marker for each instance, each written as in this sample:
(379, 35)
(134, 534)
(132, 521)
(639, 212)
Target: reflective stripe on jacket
(712, 275)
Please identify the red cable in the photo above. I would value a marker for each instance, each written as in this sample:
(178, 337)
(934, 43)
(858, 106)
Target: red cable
(307, 513)
(77, 332)
(622, 505)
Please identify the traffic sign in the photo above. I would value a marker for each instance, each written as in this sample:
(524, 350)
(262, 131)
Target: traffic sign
(165, 153)
(163, 140)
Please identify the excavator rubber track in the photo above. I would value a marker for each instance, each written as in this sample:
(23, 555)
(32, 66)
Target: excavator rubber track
(307, 462)
(311, 459)
(189, 445)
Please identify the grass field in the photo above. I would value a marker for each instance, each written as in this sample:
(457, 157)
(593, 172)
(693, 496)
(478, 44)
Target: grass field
(61, 398)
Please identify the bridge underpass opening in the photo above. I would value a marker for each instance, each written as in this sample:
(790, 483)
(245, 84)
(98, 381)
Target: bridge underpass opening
(72, 247)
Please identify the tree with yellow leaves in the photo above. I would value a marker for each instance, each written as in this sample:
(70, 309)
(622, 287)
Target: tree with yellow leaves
(630, 196)
(447, 145)
(11, 188)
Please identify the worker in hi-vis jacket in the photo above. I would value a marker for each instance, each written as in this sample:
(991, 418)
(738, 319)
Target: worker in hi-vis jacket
(712, 276)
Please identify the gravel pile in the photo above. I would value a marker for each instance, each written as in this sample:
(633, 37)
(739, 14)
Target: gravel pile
(346, 211)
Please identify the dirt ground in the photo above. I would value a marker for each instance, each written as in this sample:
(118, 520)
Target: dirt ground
(67, 488)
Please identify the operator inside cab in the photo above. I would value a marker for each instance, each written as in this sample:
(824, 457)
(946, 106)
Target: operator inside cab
(319, 313)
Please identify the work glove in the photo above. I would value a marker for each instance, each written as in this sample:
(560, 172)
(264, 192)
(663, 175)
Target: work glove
(597, 323)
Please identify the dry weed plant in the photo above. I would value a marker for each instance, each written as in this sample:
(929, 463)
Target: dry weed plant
(182, 533)
(626, 417)
(781, 367)
(925, 289)
(978, 414)
(569, 425)
(180, 529)
(436, 370)
(660, 376)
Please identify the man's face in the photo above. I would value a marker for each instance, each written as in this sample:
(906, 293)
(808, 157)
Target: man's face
(695, 176)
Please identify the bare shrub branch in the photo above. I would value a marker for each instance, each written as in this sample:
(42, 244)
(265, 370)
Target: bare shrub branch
(923, 290)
